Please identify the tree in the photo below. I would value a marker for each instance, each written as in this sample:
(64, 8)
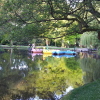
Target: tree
(62, 14)
(89, 40)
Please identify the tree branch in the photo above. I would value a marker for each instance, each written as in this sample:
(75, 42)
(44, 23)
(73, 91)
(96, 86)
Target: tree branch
(92, 9)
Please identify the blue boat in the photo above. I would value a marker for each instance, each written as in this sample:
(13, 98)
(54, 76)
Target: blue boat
(58, 52)
(68, 52)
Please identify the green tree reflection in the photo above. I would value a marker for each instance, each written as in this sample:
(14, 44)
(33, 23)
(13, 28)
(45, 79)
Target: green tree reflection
(54, 77)
(90, 64)
(43, 77)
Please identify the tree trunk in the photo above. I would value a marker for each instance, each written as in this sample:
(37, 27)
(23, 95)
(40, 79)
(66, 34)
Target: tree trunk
(99, 35)
(11, 42)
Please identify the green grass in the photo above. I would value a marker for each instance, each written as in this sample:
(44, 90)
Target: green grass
(90, 91)
(26, 47)
(14, 46)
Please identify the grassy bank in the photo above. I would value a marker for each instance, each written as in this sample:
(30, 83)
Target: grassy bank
(90, 91)
(26, 47)
(14, 46)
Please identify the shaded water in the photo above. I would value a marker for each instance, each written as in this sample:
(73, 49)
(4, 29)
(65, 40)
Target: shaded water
(25, 76)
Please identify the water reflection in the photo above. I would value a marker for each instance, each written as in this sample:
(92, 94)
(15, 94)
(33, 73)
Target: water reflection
(67, 56)
(90, 64)
(45, 77)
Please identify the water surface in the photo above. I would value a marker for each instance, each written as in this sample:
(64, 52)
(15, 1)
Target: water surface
(25, 76)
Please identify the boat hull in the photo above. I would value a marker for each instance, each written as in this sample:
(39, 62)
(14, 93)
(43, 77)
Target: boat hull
(36, 50)
(47, 51)
(66, 56)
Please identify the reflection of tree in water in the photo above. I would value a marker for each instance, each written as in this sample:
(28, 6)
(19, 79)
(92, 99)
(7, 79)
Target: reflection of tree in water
(90, 64)
(10, 73)
(44, 83)
(53, 77)
(5, 86)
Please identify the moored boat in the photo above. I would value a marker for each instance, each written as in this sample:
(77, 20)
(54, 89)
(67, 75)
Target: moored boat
(58, 52)
(68, 52)
(32, 50)
(45, 51)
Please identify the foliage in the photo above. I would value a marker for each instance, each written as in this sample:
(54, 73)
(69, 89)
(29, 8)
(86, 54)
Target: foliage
(89, 40)
(72, 39)
(54, 19)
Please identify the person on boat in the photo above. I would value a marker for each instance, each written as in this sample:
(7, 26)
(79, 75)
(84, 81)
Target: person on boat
(33, 46)
(30, 47)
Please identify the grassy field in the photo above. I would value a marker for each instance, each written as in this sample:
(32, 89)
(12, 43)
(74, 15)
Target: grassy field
(90, 91)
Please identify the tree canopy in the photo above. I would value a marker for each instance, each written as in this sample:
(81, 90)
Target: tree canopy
(49, 18)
